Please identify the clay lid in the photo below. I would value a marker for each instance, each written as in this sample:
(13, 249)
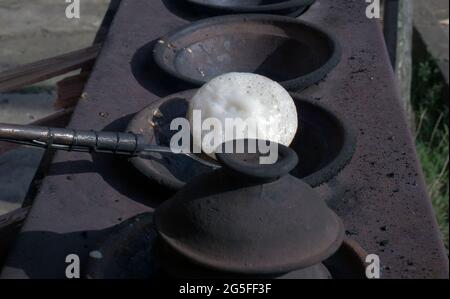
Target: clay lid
(250, 218)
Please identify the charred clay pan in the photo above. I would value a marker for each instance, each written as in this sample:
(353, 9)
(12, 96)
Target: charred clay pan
(253, 6)
(324, 143)
(132, 250)
(291, 52)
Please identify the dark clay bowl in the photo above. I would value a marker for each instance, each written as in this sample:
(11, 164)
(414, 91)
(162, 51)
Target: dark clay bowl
(324, 143)
(252, 6)
(291, 52)
(132, 250)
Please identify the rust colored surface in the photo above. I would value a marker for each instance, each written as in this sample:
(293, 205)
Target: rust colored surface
(381, 195)
(291, 52)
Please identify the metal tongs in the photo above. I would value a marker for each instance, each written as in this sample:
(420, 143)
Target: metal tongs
(115, 143)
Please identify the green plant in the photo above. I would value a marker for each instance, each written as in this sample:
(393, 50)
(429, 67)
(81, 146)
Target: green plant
(432, 136)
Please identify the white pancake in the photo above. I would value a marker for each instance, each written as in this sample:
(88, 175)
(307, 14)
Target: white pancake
(245, 96)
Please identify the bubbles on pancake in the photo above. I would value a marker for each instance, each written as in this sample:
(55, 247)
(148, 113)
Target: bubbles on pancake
(247, 97)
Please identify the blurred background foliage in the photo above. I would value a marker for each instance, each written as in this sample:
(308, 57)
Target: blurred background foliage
(432, 134)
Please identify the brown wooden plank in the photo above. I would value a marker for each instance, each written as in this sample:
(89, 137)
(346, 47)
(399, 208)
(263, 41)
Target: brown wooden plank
(70, 90)
(10, 225)
(48, 68)
(12, 219)
(59, 119)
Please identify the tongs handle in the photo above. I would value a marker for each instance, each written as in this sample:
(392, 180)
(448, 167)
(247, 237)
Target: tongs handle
(119, 143)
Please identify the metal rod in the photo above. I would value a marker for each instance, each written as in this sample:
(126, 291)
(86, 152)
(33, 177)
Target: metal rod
(73, 140)
(116, 143)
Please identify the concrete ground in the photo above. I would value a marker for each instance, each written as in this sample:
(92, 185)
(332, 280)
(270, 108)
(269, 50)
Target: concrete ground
(38, 29)
(18, 167)
(31, 31)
